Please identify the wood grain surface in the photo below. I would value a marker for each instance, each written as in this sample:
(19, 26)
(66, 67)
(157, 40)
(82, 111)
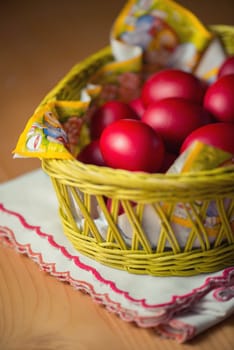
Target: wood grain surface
(39, 43)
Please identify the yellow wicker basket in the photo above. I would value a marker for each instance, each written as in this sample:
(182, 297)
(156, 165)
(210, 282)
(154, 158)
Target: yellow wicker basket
(79, 185)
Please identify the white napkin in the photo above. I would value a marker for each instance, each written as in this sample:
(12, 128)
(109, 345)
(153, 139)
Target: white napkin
(177, 307)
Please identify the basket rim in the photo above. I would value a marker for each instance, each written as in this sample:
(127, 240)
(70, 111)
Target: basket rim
(81, 167)
(124, 183)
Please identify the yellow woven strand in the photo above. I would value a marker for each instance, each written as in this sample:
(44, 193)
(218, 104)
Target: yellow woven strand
(138, 236)
(162, 236)
(170, 236)
(225, 223)
(194, 227)
(112, 226)
(221, 235)
(86, 201)
(114, 212)
(192, 235)
(198, 221)
(139, 209)
(139, 212)
(85, 213)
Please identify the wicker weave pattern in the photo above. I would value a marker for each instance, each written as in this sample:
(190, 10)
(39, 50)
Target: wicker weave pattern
(81, 189)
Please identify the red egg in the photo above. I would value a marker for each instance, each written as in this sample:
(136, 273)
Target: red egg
(219, 99)
(172, 83)
(219, 135)
(91, 154)
(174, 119)
(132, 145)
(227, 67)
(108, 113)
(137, 106)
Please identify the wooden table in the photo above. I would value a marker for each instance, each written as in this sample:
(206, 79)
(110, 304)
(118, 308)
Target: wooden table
(40, 41)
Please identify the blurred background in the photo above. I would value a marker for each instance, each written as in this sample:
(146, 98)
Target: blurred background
(41, 40)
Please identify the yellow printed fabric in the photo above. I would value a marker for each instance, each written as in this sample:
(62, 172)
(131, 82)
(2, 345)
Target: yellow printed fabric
(167, 34)
(50, 132)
